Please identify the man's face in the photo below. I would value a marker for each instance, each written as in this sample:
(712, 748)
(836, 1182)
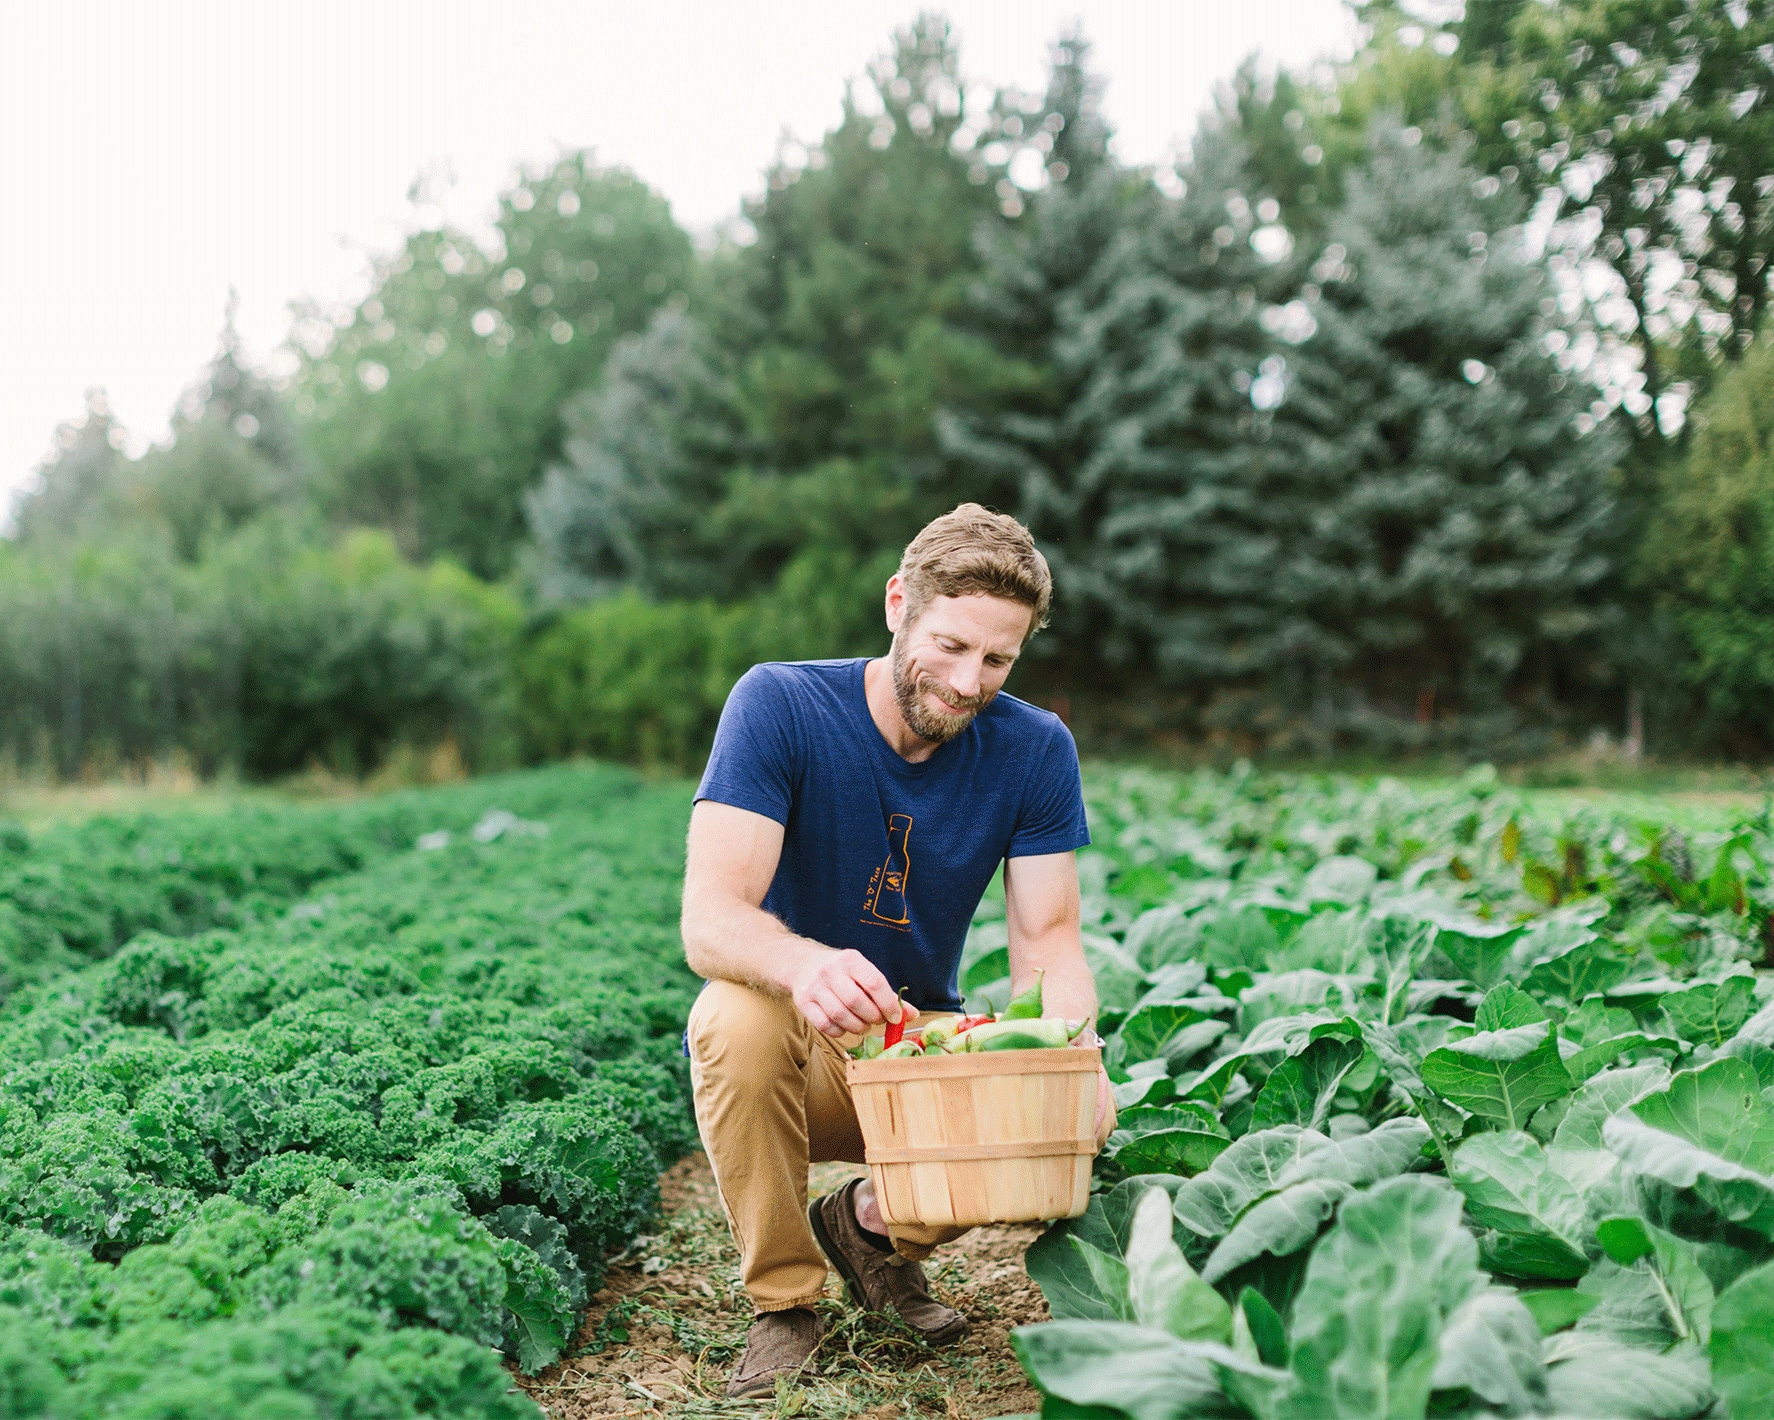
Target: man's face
(949, 663)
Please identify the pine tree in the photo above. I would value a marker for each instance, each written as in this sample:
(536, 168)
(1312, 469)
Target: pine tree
(787, 437)
(235, 452)
(1447, 543)
(1135, 479)
(647, 455)
(1022, 451)
(83, 484)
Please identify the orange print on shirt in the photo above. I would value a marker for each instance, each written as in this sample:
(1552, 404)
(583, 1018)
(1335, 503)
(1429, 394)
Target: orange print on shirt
(886, 901)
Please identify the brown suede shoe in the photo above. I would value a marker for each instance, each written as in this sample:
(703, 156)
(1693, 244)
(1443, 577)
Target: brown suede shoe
(778, 1344)
(878, 1280)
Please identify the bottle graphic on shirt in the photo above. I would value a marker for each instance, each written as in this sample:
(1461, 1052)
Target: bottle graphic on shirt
(888, 902)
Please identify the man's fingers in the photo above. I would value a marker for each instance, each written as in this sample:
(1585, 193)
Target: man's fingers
(868, 976)
(839, 1014)
(858, 1001)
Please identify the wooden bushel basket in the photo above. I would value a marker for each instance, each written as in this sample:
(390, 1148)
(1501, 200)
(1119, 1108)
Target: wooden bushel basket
(1005, 1136)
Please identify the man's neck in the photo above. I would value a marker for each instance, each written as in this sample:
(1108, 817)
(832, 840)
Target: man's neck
(902, 739)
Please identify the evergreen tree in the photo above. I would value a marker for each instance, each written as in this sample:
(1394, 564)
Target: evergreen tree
(83, 484)
(437, 403)
(235, 452)
(648, 451)
(787, 436)
(1133, 475)
(1023, 451)
(1447, 512)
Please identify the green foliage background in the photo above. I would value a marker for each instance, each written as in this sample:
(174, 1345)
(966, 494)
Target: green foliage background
(1362, 427)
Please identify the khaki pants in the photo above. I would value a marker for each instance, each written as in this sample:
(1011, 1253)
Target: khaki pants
(771, 1098)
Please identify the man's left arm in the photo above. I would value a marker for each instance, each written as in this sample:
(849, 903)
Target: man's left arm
(1042, 910)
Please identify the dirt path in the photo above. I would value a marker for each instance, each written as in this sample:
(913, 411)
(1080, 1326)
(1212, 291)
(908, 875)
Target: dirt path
(662, 1336)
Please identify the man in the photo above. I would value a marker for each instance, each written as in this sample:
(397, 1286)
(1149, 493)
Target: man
(850, 818)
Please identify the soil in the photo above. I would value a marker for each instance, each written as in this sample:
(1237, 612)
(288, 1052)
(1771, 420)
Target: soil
(662, 1335)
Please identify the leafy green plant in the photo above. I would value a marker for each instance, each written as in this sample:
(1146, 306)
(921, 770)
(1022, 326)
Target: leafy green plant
(1436, 1140)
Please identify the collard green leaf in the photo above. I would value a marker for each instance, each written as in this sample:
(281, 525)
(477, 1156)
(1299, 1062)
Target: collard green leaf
(1279, 1224)
(1742, 1345)
(1063, 1273)
(1606, 1094)
(1109, 1278)
(1267, 1164)
(1594, 1376)
(1242, 938)
(1149, 1090)
(1212, 1084)
(1632, 1305)
(1506, 1006)
(1301, 1089)
(1591, 1060)
(1262, 1323)
(1711, 1013)
(1119, 978)
(1711, 1131)
(1210, 1203)
(1289, 1035)
(1146, 1034)
(1491, 1347)
(1502, 1076)
(1163, 1288)
(992, 967)
(1509, 1187)
(1479, 951)
(1576, 972)
(1134, 1371)
(1687, 1291)
(1379, 1289)
(1093, 1370)
(1185, 1151)
(1555, 1308)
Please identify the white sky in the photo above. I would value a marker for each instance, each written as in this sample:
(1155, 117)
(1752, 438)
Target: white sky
(155, 152)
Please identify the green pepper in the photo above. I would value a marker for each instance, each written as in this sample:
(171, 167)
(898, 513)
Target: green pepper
(937, 1034)
(1017, 1035)
(902, 1050)
(1026, 1007)
(868, 1047)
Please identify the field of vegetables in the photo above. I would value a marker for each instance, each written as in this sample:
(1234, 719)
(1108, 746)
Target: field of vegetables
(1428, 1107)
(322, 1162)
(1429, 1104)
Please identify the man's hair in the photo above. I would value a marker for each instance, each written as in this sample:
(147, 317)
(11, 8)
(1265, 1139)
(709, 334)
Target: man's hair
(971, 551)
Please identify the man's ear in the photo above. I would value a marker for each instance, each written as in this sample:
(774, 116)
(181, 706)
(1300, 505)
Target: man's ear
(895, 603)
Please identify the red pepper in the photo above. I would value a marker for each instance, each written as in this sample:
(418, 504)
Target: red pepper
(969, 1022)
(895, 1029)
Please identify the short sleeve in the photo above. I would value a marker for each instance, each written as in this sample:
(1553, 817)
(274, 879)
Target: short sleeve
(753, 764)
(1052, 816)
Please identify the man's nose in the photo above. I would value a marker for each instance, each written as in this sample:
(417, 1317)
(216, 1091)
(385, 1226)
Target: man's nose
(965, 680)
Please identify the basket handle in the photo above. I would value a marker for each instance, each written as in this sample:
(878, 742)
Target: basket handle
(965, 1153)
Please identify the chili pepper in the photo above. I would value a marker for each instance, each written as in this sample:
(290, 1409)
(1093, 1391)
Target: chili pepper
(1027, 1006)
(895, 1029)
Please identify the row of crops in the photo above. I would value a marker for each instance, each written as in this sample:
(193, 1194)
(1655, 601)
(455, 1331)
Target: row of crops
(345, 1104)
(1428, 1106)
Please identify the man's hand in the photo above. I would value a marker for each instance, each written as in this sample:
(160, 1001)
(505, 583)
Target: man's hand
(842, 992)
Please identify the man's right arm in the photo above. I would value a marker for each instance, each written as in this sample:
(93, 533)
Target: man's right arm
(733, 855)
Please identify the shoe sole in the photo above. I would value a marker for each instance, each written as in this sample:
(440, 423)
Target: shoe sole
(853, 1283)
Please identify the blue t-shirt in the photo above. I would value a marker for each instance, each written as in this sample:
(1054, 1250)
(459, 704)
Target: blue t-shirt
(880, 855)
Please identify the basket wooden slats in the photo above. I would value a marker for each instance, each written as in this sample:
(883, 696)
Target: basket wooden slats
(1000, 1137)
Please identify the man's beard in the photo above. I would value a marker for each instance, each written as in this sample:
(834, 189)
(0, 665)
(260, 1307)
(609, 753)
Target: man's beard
(936, 726)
